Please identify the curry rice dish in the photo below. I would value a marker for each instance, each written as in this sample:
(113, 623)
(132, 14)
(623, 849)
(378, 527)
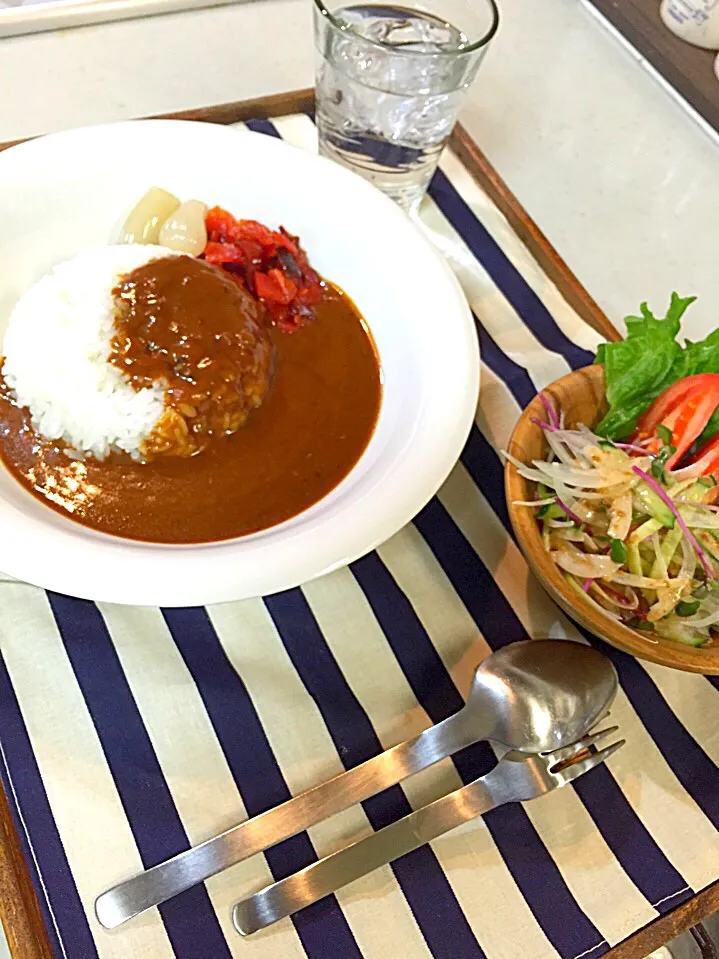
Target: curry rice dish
(149, 394)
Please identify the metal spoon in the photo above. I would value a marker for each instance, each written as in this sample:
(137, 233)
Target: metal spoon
(533, 696)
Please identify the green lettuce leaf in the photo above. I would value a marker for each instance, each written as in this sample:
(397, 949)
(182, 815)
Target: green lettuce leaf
(703, 357)
(646, 362)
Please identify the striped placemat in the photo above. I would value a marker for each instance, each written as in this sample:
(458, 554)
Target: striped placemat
(129, 734)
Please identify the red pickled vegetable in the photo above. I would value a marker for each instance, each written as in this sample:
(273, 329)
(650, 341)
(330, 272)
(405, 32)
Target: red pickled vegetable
(219, 253)
(271, 264)
(220, 225)
(275, 286)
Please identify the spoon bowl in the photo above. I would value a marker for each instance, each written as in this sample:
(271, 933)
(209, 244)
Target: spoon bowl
(542, 694)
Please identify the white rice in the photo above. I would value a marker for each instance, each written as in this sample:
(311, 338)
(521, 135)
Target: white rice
(56, 348)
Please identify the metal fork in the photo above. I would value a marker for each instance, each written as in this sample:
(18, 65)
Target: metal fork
(511, 780)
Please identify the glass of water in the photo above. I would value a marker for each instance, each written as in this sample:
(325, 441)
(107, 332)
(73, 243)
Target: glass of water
(390, 82)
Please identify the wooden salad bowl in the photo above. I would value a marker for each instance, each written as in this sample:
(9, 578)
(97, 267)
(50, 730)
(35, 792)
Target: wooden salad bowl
(581, 396)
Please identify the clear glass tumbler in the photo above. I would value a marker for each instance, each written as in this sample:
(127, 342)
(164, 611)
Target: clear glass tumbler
(390, 82)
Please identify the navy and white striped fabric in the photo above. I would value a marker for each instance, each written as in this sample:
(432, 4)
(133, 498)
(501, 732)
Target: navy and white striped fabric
(128, 734)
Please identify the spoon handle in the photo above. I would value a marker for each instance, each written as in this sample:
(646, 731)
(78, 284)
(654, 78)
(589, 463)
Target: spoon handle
(187, 869)
(327, 875)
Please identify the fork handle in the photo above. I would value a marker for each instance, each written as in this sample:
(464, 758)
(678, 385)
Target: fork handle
(168, 879)
(321, 878)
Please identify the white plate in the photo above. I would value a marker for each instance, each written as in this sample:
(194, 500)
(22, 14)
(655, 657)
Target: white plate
(70, 191)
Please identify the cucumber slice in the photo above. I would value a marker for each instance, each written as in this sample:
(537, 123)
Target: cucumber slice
(655, 506)
(551, 511)
(645, 530)
(697, 492)
(669, 547)
(634, 560)
(680, 633)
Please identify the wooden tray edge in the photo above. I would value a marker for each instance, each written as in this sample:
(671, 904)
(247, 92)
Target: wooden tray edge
(19, 908)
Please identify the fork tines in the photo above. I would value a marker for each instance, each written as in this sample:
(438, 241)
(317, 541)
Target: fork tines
(577, 759)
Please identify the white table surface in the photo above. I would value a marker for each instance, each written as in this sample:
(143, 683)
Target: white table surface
(622, 181)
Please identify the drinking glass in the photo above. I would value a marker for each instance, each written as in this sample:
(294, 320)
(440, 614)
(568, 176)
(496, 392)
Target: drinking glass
(390, 81)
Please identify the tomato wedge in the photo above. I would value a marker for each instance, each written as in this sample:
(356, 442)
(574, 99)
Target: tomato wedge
(684, 408)
(704, 463)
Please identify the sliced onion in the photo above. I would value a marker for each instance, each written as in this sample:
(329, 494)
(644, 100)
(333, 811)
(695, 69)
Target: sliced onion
(616, 599)
(568, 534)
(583, 479)
(590, 599)
(546, 480)
(526, 471)
(695, 519)
(144, 222)
(591, 546)
(689, 561)
(587, 514)
(578, 441)
(573, 535)
(583, 566)
(691, 472)
(632, 448)
(621, 517)
(602, 458)
(668, 595)
(534, 502)
(560, 450)
(584, 494)
(557, 483)
(712, 507)
(659, 556)
(639, 582)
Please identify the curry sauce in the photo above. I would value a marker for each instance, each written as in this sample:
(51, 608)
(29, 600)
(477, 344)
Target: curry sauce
(309, 432)
(184, 323)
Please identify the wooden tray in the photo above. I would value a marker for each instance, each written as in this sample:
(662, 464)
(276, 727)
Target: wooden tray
(19, 908)
(690, 70)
